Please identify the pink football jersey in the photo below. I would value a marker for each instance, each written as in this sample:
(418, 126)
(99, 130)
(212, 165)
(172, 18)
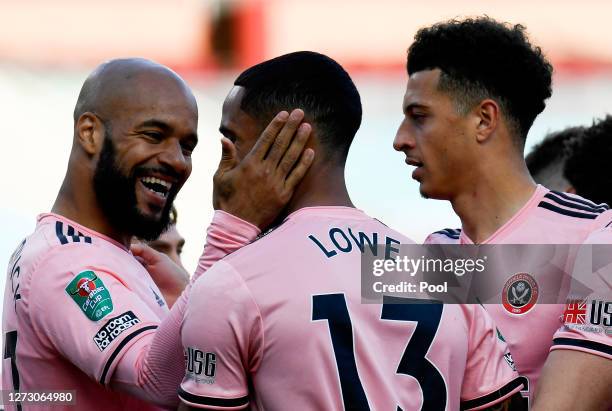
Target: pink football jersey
(280, 325)
(548, 217)
(587, 321)
(75, 303)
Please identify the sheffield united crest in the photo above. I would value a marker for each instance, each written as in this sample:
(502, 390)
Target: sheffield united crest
(520, 293)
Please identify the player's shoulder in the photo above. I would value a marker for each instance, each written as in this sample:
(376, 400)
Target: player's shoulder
(58, 233)
(302, 227)
(603, 233)
(68, 247)
(391, 232)
(444, 236)
(51, 238)
(559, 206)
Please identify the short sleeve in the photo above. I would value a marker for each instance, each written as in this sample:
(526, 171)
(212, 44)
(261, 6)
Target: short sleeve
(587, 316)
(490, 375)
(85, 311)
(222, 335)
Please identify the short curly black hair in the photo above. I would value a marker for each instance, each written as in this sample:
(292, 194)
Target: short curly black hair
(546, 160)
(310, 81)
(588, 167)
(482, 58)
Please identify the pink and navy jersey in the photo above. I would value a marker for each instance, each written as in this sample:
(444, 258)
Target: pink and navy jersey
(280, 325)
(587, 321)
(74, 302)
(548, 217)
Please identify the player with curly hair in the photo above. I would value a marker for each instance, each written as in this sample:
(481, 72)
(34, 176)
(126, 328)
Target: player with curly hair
(548, 159)
(475, 87)
(587, 166)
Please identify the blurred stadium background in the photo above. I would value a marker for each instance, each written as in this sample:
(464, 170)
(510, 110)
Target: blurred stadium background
(47, 48)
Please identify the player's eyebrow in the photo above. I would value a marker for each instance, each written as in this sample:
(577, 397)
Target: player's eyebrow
(159, 244)
(409, 107)
(156, 123)
(227, 132)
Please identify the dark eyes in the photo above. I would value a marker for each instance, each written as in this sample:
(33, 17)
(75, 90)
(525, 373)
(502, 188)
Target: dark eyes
(417, 117)
(187, 150)
(158, 137)
(155, 135)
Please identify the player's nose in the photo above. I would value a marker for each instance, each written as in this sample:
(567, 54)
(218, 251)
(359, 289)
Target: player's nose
(173, 157)
(403, 140)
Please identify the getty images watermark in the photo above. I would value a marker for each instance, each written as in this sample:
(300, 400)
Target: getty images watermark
(517, 276)
(413, 266)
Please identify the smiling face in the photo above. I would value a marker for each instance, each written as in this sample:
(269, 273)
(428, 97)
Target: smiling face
(150, 134)
(434, 137)
(242, 129)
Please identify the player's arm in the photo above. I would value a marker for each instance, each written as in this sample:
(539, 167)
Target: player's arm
(490, 379)
(153, 367)
(222, 334)
(514, 403)
(574, 380)
(578, 371)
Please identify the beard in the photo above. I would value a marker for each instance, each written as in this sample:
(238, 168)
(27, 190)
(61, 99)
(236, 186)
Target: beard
(116, 196)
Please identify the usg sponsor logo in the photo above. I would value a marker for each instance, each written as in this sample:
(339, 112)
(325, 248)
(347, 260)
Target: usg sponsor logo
(598, 312)
(201, 366)
(113, 328)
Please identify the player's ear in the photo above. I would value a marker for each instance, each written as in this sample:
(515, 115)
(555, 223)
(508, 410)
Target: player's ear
(89, 131)
(487, 113)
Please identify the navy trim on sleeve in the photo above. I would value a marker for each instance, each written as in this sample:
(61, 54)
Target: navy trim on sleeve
(212, 401)
(590, 345)
(489, 398)
(118, 349)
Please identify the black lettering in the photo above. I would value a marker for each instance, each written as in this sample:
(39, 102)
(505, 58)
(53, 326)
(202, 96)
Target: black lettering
(608, 310)
(596, 312)
(363, 238)
(389, 248)
(211, 363)
(327, 253)
(332, 235)
(197, 361)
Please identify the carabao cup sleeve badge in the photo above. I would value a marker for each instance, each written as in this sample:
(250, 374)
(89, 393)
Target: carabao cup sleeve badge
(91, 295)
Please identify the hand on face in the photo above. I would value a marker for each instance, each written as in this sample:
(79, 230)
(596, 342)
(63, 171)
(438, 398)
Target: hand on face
(257, 188)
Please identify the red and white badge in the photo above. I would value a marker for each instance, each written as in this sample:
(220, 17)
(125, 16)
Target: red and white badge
(520, 293)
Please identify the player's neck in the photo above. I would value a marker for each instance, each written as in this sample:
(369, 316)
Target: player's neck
(492, 200)
(81, 207)
(322, 186)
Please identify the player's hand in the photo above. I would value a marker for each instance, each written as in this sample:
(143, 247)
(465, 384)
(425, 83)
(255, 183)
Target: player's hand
(170, 278)
(257, 188)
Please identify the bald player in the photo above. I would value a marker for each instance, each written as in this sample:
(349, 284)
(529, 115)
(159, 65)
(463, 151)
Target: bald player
(80, 312)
